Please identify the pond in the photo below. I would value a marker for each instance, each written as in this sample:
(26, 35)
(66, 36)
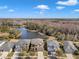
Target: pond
(25, 34)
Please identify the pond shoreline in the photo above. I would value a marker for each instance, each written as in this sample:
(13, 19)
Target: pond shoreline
(35, 31)
(42, 34)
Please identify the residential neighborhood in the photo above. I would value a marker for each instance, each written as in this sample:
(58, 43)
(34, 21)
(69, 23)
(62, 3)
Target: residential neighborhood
(34, 49)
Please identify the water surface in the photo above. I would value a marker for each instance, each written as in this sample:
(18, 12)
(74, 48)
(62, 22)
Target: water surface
(25, 34)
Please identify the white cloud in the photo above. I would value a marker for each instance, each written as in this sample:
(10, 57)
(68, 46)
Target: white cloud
(42, 7)
(76, 10)
(68, 3)
(6, 8)
(60, 7)
(11, 10)
(41, 12)
(3, 7)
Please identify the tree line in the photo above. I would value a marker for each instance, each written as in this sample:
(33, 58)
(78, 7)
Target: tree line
(59, 32)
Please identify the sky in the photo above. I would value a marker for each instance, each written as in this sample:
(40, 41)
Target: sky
(39, 8)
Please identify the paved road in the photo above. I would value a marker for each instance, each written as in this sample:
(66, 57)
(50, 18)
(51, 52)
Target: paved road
(69, 56)
(6, 46)
(40, 55)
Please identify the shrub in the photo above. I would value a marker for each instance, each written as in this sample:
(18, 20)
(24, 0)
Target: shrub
(76, 52)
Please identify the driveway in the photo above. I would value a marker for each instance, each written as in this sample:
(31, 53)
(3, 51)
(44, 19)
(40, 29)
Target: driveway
(4, 55)
(40, 55)
(15, 55)
(69, 56)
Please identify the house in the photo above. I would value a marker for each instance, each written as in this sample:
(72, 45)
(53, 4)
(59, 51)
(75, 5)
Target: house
(69, 47)
(37, 44)
(52, 46)
(22, 45)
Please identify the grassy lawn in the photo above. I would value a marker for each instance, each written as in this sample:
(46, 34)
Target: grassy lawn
(0, 53)
(10, 54)
(24, 53)
(45, 53)
(31, 53)
(76, 56)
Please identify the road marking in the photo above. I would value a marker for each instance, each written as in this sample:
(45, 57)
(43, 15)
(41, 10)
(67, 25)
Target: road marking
(2, 44)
